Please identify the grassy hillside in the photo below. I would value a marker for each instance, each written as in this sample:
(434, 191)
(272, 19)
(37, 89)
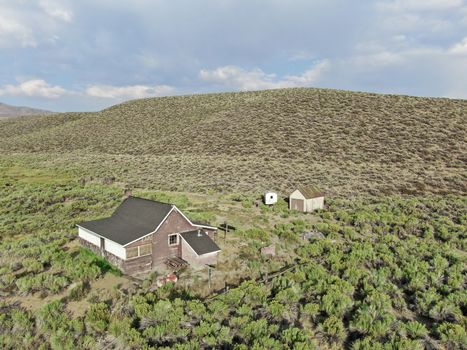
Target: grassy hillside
(388, 273)
(344, 142)
(388, 270)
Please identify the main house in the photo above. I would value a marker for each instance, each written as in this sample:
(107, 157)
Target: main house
(142, 235)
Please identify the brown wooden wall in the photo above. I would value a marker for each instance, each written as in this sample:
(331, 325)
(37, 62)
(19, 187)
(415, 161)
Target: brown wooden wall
(211, 232)
(140, 242)
(129, 267)
(297, 204)
(175, 223)
(137, 265)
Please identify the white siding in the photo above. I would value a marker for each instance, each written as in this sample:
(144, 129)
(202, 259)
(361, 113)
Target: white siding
(189, 255)
(315, 203)
(115, 248)
(88, 236)
(270, 198)
(310, 204)
(297, 195)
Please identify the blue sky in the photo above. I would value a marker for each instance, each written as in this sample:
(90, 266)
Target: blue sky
(86, 55)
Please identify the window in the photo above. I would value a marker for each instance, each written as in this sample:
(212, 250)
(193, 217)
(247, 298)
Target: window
(173, 239)
(141, 250)
(145, 249)
(131, 252)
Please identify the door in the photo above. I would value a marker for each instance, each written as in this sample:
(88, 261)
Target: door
(297, 204)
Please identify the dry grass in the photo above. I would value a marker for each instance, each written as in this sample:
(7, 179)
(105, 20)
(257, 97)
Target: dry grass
(345, 142)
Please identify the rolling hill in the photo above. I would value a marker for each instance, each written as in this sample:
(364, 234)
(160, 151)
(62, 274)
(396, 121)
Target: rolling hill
(344, 142)
(385, 267)
(8, 111)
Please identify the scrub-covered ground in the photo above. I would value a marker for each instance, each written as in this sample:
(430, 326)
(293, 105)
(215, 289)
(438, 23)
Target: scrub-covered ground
(389, 271)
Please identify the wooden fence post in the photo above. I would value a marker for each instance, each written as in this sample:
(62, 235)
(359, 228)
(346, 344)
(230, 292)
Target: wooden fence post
(226, 229)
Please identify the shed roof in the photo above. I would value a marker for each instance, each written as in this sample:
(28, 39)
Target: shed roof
(310, 192)
(133, 219)
(200, 242)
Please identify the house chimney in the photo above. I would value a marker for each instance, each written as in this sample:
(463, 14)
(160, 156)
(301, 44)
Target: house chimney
(199, 233)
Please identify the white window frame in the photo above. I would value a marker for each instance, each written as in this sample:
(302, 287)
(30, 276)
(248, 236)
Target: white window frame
(177, 240)
(133, 257)
(139, 251)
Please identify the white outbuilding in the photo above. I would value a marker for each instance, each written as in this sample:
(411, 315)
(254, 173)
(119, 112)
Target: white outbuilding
(270, 198)
(306, 199)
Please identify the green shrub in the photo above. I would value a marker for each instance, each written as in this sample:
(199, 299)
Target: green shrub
(98, 317)
(257, 233)
(452, 335)
(52, 316)
(334, 328)
(416, 329)
(79, 290)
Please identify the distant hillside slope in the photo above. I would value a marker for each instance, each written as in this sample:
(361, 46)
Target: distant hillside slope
(7, 111)
(343, 142)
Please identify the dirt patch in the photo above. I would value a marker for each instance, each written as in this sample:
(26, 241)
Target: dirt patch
(35, 301)
(103, 285)
(73, 244)
(109, 281)
(78, 308)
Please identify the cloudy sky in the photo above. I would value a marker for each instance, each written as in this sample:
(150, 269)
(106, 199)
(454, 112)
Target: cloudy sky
(85, 55)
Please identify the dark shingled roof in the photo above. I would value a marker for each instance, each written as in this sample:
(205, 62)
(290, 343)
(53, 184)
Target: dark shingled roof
(200, 242)
(134, 218)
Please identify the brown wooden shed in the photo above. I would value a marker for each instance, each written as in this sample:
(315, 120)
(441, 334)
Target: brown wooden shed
(306, 199)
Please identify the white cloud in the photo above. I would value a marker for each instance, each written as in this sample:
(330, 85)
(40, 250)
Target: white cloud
(40, 88)
(378, 56)
(128, 92)
(420, 5)
(33, 88)
(459, 48)
(31, 23)
(428, 19)
(414, 70)
(13, 32)
(241, 79)
(406, 46)
(310, 76)
(55, 10)
(378, 60)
